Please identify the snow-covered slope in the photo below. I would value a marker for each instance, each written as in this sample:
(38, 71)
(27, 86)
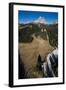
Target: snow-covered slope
(40, 20)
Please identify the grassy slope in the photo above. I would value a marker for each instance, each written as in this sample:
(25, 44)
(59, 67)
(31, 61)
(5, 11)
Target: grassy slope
(31, 47)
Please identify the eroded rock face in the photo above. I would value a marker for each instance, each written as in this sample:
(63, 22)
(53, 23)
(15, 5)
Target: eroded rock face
(50, 66)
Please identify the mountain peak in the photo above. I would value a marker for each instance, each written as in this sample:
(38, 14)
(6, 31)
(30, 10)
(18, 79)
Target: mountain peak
(40, 20)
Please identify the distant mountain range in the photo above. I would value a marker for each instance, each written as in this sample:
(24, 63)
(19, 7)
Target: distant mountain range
(40, 20)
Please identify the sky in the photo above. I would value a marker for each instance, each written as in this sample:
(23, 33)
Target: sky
(31, 16)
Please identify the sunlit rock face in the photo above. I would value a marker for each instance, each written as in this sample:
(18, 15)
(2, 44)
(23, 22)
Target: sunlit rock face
(50, 66)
